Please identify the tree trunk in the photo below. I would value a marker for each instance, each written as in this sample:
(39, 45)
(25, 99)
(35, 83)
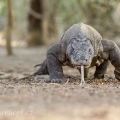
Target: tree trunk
(41, 21)
(37, 23)
(45, 18)
(9, 28)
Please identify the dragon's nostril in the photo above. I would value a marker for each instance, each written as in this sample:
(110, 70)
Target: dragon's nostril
(86, 60)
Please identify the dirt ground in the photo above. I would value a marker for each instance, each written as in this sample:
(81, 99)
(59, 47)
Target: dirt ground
(34, 100)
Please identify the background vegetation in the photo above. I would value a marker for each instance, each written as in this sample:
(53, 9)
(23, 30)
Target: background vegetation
(25, 23)
(41, 22)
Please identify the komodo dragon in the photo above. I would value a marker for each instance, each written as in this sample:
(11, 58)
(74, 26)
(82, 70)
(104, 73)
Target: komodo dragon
(81, 45)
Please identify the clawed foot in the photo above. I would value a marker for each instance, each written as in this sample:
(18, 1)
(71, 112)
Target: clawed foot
(53, 80)
(101, 76)
(57, 81)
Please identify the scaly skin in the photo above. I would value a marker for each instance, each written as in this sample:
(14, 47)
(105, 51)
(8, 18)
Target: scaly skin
(111, 53)
(69, 52)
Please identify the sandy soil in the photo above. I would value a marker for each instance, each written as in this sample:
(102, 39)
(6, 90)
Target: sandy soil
(35, 100)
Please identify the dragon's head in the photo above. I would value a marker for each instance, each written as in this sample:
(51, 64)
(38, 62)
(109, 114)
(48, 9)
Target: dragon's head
(80, 52)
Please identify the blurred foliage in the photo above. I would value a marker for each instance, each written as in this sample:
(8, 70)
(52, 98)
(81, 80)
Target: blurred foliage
(97, 13)
(2, 8)
(19, 15)
(2, 14)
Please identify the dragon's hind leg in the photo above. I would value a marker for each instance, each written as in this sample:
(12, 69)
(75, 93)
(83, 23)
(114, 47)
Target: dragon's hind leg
(43, 70)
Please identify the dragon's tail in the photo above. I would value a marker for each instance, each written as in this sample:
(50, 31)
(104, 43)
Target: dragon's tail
(37, 65)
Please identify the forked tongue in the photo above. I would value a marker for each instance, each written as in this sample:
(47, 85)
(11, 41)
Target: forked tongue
(82, 75)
